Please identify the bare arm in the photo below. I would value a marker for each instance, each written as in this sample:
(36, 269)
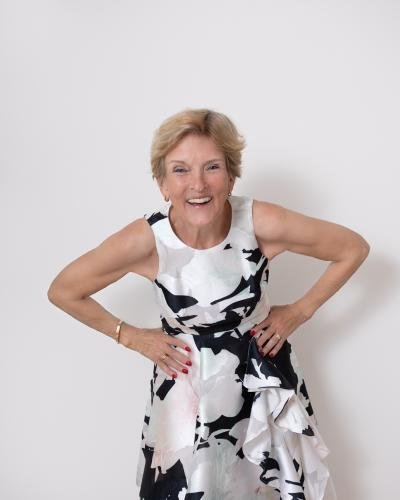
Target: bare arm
(120, 253)
(127, 250)
(279, 229)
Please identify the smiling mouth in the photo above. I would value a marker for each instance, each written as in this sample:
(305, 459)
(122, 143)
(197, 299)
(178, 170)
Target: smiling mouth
(194, 204)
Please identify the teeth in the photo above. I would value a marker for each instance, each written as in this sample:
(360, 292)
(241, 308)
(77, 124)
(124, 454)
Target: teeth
(199, 200)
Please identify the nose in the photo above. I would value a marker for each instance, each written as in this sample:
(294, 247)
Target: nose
(197, 181)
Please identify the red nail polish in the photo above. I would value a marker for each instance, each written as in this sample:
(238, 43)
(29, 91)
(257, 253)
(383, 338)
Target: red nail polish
(252, 333)
(185, 370)
(174, 375)
(188, 348)
(189, 363)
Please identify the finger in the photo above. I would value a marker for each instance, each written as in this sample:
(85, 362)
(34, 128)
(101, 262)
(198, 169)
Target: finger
(178, 342)
(170, 364)
(272, 346)
(259, 330)
(183, 357)
(261, 326)
(180, 357)
(173, 362)
(166, 369)
(264, 335)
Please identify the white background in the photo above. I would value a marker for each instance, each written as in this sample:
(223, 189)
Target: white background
(314, 88)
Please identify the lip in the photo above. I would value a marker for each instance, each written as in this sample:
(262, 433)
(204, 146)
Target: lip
(199, 197)
(201, 205)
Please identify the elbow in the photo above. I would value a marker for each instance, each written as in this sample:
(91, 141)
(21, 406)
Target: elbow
(55, 293)
(360, 246)
(365, 247)
(52, 296)
(60, 296)
(363, 250)
(357, 251)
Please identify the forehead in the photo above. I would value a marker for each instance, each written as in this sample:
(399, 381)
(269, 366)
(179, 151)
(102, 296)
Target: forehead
(194, 148)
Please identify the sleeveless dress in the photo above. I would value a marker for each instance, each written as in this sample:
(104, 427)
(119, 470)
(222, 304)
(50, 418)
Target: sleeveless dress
(239, 425)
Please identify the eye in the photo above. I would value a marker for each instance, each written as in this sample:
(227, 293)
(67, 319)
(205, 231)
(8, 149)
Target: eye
(179, 170)
(214, 165)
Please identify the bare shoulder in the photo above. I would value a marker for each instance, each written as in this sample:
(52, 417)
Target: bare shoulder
(268, 220)
(130, 249)
(278, 229)
(138, 239)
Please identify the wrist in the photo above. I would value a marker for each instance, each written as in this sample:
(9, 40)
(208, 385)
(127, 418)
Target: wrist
(129, 336)
(304, 310)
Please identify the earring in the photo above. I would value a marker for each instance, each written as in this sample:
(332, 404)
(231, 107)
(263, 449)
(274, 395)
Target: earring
(166, 199)
(229, 193)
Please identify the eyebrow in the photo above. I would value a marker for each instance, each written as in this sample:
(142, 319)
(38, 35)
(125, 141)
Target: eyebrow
(208, 161)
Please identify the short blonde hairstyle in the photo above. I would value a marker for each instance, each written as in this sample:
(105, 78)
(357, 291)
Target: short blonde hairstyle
(201, 121)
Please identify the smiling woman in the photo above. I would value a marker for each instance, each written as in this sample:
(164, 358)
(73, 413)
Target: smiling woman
(196, 177)
(197, 191)
(237, 422)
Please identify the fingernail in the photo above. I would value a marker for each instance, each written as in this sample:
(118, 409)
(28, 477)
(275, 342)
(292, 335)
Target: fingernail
(272, 354)
(185, 370)
(174, 375)
(188, 348)
(252, 332)
(189, 363)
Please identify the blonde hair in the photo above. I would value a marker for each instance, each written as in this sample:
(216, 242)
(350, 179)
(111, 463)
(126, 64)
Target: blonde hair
(201, 121)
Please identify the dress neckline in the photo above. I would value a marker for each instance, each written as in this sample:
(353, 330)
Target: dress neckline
(218, 246)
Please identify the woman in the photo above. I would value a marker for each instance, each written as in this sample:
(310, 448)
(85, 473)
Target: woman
(228, 414)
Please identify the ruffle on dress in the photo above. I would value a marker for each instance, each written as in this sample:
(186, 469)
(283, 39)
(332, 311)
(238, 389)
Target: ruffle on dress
(277, 435)
(281, 436)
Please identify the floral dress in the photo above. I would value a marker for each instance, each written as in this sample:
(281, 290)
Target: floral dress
(239, 425)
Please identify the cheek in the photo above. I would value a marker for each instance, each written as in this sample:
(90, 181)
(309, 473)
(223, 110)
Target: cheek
(219, 180)
(177, 185)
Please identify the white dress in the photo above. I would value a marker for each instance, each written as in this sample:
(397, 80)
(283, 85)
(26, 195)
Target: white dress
(238, 425)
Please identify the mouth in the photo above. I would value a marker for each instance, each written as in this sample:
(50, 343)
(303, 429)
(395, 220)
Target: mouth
(199, 202)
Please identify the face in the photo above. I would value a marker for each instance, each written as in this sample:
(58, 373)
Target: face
(196, 168)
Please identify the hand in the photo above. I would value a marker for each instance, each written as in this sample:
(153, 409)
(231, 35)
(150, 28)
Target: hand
(154, 343)
(282, 320)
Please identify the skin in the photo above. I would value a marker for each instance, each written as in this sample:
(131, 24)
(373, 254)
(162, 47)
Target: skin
(132, 249)
(194, 176)
(279, 229)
